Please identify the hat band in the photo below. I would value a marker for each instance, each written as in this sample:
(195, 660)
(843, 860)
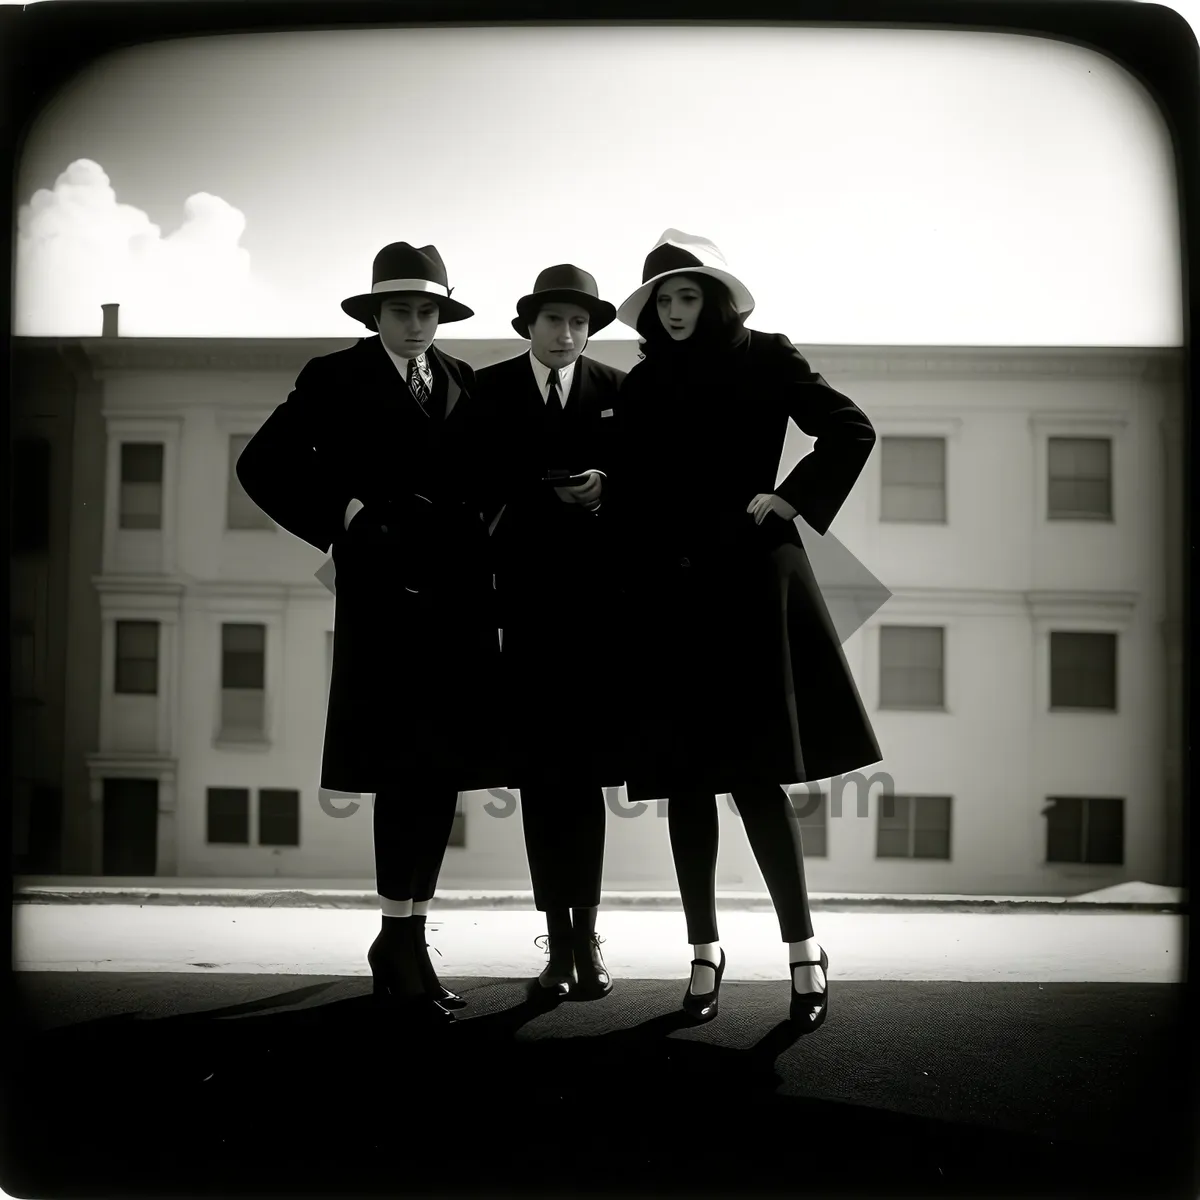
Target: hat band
(410, 285)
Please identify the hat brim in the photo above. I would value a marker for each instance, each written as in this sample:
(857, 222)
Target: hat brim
(362, 308)
(601, 314)
(631, 309)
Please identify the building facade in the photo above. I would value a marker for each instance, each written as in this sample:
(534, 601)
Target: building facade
(1022, 505)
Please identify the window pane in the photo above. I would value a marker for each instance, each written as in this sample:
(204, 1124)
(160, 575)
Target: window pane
(931, 813)
(136, 669)
(1064, 830)
(142, 462)
(1083, 670)
(913, 460)
(247, 638)
(911, 645)
(229, 816)
(892, 843)
(931, 843)
(141, 506)
(1105, 831)
(278, 817)
(894, 811)
(913, 502)
(242, 711)
(137, 639)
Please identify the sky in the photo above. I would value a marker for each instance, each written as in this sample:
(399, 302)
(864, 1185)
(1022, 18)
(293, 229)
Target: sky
(869, 187)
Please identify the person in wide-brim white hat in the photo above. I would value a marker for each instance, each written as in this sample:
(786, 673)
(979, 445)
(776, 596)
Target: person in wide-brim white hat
(678, 253)
(735, 681)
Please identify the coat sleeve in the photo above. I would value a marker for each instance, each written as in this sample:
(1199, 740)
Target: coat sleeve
(818, 486)
(286, 468)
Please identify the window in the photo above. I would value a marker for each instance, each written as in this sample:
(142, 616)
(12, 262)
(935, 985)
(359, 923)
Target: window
(913, 827)
(1080, 479)
(811, 809)
(278, 817)
(911, 671)
(240, 511)
(141, 485)
(1083, 670)
(136, 672)
(228, 816)
(914, 479)
(458, 831)
(243, 690)
(1085, 829)
(30, 484)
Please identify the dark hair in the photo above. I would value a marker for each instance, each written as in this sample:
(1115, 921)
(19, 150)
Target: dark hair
(719, 322)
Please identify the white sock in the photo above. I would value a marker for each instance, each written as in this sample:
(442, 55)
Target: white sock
(395, 908)
(420, 908)
(806, 979)
(704, 979)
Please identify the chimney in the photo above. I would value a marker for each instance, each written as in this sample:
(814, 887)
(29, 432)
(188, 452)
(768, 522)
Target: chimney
(109, 329)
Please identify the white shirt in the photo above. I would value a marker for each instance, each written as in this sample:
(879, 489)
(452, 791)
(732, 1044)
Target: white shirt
(541, 373)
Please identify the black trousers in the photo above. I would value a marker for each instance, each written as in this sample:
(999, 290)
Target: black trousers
(774, 835)
(564, 838)
(412, 826)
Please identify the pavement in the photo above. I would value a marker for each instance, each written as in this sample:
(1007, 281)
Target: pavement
(199, 1049)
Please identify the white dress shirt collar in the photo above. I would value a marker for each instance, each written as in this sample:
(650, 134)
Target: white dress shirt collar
(422, 366)
(541, 373)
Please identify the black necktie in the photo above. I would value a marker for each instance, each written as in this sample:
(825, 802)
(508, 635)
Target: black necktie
(553, 397)
(416, 385)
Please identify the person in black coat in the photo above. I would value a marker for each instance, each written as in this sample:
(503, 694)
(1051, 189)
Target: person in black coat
(554, 407)
(736, 679)
(381, 452)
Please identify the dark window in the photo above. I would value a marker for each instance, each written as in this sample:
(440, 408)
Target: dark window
(278, 817)
(1083, 670)
(911, 659)
(229, 816)
(1080, 479)
(141, 485)
(136, 671)
(30, 484)
(130, 839)
(243, 675)
(914, 479)
(1085, 829)
(913, 827)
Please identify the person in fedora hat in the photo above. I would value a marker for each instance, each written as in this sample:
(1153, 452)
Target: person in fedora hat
(736, 680)
(380, 454)
(554, 406)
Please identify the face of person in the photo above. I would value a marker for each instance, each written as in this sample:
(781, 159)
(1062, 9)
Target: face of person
(407, 323)
(559, 334)
(679, 303)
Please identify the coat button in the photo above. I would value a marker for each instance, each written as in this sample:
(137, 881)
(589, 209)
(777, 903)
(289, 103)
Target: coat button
(685, 562)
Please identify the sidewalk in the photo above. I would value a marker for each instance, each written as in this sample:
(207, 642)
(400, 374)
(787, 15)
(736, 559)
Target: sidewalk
(308, 893)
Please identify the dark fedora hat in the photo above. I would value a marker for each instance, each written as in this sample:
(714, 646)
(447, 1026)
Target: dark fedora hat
(403, 268)
(571, 286)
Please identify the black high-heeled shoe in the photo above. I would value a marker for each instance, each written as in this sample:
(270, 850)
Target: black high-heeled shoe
(396, 982)
(809, 1008)
(702, 1006)
(434, 987)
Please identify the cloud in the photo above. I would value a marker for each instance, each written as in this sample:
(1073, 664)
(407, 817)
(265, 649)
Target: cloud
(78, 247)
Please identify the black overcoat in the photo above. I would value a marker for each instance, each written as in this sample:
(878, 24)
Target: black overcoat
(555, 579)
(735, 673)
(415, 672)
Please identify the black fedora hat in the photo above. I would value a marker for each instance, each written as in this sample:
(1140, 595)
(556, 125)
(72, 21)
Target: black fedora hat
(403, 268)
(570, 285)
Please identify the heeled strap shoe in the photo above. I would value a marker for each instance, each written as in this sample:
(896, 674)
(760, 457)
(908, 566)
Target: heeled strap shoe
(809, 1009)
(434, 987)
(558, 979)
(396, 982)
(593, 978)
(702, 1006)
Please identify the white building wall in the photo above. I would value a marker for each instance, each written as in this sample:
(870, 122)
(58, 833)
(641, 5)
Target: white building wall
(997, 576)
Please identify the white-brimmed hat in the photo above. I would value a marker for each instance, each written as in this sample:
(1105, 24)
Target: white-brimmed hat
(401, 268)
(678, 253)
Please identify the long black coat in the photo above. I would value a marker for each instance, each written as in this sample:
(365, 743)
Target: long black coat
(735, 674)
(555, 579)
(415, 674)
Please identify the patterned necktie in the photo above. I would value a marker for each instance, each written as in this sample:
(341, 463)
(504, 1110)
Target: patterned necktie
(416, 385)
